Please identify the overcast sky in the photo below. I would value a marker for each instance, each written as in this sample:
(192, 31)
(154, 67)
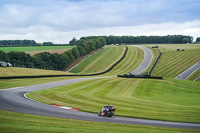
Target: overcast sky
(59, 21)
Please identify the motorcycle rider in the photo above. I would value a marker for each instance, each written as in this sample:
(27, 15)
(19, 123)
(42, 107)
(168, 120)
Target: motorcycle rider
(104, 109)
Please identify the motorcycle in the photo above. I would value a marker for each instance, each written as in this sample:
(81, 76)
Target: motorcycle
(107, 111)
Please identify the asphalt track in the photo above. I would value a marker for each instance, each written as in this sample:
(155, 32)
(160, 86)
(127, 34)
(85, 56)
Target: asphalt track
(189, 71)
(148, 56)
(15, 100)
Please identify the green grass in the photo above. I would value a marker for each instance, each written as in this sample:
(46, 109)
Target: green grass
(15, 71)
(106, 58)
(173, 62)
(101, 61)
(170, 100)
(195, 75)
(131, 61)
(12, 83)
(33, 48)
(11, 122)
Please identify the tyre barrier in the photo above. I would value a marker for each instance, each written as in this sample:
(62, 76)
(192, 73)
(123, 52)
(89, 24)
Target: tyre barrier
(139, 76)
(149, 73)
(45, 76)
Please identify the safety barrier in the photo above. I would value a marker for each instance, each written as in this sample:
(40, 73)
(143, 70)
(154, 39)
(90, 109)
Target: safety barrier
(149, 73)
(139, 76)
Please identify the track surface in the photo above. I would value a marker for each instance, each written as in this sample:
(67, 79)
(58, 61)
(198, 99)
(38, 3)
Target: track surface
(148, 56)
(189, 71)
(14, 100)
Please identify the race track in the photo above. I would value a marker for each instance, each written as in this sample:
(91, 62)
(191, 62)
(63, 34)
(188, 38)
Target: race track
(148, 56)
(15, 100)
(189, 71)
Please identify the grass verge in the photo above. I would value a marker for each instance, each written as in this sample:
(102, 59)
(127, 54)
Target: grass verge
(16, 71)
(11, 122)
(12, 83)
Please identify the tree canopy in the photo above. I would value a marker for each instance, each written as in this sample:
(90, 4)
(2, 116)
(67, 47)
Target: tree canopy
(54, 61)
(169, 39)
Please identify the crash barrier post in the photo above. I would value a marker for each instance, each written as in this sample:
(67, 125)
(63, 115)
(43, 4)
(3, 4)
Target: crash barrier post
(149, 73)
(44, 76)
(139, 76)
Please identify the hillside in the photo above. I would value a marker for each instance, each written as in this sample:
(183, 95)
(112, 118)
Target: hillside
(173, 62)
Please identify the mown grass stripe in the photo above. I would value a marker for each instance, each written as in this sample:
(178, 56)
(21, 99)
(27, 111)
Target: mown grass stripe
(152, 99)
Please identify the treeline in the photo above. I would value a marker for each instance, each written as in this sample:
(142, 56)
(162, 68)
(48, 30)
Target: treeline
(19, 43)
(169, 39)
(50, 61)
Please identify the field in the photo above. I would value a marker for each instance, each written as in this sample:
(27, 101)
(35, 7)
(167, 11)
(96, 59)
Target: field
(35, 49)
(171, 100)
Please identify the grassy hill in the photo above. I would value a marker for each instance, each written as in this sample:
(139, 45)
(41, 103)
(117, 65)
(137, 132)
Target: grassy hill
(171, 100)
(173, 62)
(107, 57)
(168, 99)
(100, 61)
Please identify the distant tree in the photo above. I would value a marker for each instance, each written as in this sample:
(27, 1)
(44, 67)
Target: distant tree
(20, 59)
(70, 55)
(97, 43)
(103, 41)
(17, 42)
(47, 43)
(198, 40)
(74, 41)
(185, 40)
(4, 57)
(81, 50)
(75, 52)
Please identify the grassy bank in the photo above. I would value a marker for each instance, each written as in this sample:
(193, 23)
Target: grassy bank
(16, 71)
(132, 60)
(106, 58)
(171, 100)
(173, 62)
(194, 75)
(101, 61)
(11, 122)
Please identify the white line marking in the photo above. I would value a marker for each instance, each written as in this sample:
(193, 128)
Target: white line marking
(29, 98)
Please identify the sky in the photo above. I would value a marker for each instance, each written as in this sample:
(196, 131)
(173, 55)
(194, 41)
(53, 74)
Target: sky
(58, 21)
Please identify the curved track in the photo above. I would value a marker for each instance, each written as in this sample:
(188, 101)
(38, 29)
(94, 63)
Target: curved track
(15, 100)
(148, 56)
(189, 71)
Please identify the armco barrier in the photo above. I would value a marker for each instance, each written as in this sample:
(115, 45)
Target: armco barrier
(139, 76)
(149, 73)
(44, 76)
